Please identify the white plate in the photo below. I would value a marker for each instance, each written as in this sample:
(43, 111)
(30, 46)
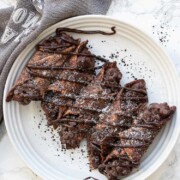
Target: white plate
(144, 59)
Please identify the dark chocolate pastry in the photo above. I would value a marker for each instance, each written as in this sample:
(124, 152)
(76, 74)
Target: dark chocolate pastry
(41, 70)
(119, 117)
(134, 142)
(28, 88)
(77, 120)
(61, 93)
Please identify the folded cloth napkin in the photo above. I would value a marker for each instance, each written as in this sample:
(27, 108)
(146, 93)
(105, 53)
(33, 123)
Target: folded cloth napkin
(21, 25)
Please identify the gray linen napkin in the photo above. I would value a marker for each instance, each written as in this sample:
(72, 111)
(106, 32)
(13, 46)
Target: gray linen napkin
(29, 18)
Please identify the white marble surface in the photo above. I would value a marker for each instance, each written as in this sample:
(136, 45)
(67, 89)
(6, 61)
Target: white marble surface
(158, 18)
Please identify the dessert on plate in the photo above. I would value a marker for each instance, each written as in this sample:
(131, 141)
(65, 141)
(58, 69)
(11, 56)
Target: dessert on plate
(116, 120)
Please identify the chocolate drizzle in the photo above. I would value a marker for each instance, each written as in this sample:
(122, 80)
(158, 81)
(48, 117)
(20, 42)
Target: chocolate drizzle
(90, 178)
(73, 53)
(60, 30)
(61, 68)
